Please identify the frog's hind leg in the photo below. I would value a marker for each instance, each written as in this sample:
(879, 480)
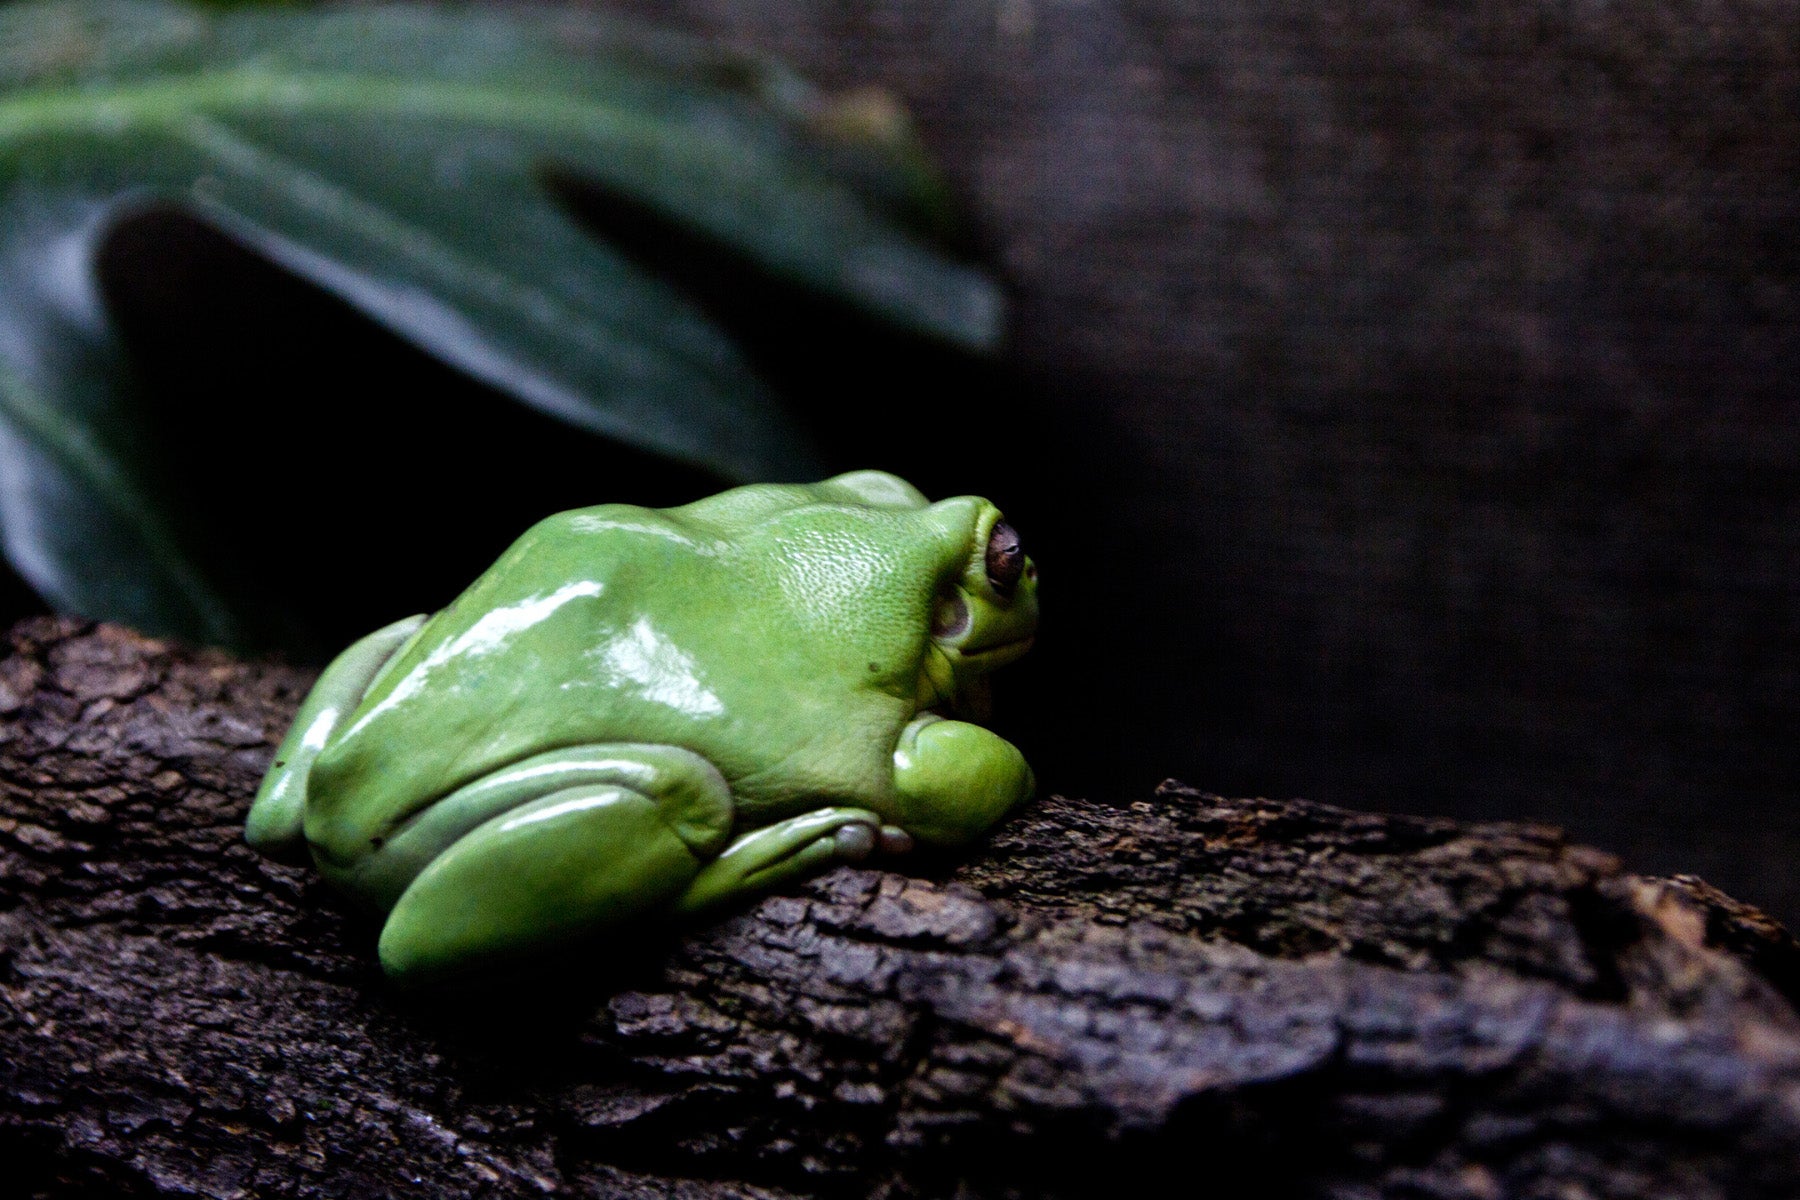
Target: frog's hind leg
(570, 864)
(553, 850)
(273, 826)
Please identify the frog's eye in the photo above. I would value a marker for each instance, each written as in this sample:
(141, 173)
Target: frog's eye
(1005, 558)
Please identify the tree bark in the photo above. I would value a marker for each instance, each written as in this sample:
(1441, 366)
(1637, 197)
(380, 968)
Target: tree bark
(1176, 992)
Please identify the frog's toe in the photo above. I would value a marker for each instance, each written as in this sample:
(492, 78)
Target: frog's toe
(792, 849)
(854, 842)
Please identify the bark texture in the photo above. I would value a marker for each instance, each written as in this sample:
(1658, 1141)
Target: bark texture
(1170, 993)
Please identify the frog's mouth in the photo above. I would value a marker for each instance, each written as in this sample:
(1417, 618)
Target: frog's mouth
(987, 658)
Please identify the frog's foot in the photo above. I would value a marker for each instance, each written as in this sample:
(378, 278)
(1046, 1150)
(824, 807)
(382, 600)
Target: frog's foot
(954, 779)
(273, 826)
(766, 858)
(550, 851)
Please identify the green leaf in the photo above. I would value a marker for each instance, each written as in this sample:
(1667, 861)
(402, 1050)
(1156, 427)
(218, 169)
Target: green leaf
(396, 157)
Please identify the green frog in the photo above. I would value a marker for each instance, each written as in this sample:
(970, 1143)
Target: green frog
(637, 713)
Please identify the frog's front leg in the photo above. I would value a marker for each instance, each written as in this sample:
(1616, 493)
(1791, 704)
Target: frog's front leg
(954, 779)
(555, 849)
(273, 826)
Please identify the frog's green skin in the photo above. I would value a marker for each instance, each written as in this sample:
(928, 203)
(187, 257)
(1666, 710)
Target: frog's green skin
(638, 712)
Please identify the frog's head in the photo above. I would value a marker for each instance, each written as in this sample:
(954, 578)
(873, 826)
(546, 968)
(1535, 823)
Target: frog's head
(986, 610)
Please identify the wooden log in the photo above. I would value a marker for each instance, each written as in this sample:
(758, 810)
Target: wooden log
(1174, 992)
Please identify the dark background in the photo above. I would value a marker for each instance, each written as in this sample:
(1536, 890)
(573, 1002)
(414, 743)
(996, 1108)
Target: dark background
(1401, 402)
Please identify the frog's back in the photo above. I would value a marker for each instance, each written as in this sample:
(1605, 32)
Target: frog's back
(485, 681)
(625, 624)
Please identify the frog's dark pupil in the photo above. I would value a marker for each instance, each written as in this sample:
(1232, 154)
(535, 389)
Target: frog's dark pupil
(1005, 558)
